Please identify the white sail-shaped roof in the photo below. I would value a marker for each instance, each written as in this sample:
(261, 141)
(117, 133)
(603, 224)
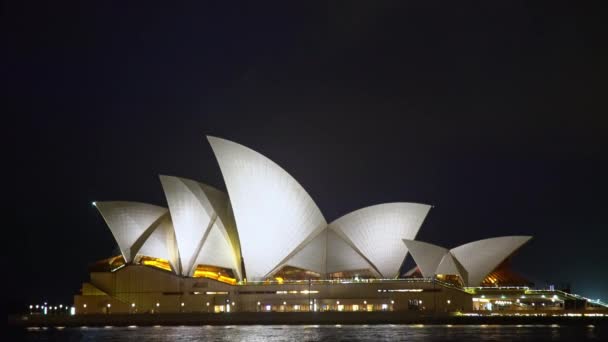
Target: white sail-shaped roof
(449, 265)
(161, 243)
(342, 257)
(481, 257)
(130, 223)
(273, 212)
(426, 255)
(329, 253)
(221, 247)
(216, 251)
(472, 261)
(312, 256)
(377, 232)
(193, 211)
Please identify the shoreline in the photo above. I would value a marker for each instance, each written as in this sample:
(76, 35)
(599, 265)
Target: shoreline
(299, 318)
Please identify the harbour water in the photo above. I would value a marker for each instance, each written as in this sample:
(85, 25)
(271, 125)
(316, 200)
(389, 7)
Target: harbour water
(302, 333)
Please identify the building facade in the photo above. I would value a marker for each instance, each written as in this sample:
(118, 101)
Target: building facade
(265, 246)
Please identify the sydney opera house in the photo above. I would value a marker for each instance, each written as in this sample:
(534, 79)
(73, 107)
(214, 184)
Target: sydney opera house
(265, 246)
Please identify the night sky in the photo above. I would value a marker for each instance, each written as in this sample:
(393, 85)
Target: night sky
(494, 114)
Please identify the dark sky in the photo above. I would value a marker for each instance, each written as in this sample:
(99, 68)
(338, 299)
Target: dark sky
(493, 113)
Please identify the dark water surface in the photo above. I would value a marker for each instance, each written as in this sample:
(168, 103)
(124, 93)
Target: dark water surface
(321, 333)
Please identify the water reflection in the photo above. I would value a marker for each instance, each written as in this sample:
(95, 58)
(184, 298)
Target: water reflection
(323, 333)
